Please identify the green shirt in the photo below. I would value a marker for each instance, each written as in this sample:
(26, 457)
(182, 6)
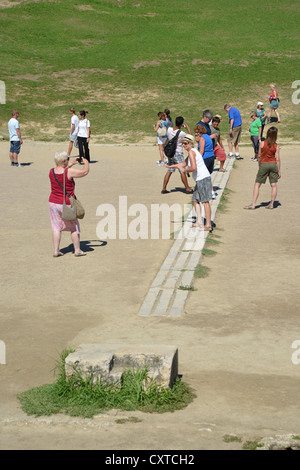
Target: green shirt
(254, 127)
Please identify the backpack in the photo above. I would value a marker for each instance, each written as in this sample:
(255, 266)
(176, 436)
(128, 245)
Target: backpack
(170, 148)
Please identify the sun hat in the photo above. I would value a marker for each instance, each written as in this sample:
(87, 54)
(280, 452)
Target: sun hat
(188, 138)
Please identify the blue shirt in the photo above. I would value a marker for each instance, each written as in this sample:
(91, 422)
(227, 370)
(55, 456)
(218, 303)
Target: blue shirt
(209, 148)
(236, 116)
(206, 126)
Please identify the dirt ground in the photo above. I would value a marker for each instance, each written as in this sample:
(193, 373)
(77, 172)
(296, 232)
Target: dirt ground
(234, 338)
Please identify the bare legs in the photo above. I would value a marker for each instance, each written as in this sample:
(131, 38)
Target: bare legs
(161, 152)
(236, 147)
(56, 236)
(276, 112)
(183, 179)
(207, 212)
(70, 148)
(13, 157)
(256, 194)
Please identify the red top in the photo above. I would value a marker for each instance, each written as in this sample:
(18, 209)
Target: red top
(273, 95)
(57, 193)
(268, 153)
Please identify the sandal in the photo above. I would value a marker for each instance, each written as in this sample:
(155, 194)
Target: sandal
(249, 207)
(56, 255)
(80, 253)
(208, 229)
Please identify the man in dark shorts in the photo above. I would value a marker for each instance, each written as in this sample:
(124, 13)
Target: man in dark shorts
(14, 138)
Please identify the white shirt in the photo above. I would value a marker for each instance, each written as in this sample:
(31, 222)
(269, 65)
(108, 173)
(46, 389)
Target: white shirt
(171, 133)
(201, 172)
(13, 125)
(83, 125)
(75, 121)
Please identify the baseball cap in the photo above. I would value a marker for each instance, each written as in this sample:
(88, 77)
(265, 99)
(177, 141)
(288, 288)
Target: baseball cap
(260, 103)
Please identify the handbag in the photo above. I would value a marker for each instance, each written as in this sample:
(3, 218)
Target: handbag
(162, 131)
(170, 148)
(76, 211)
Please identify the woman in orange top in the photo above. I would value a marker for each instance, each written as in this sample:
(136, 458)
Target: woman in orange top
(269, 167)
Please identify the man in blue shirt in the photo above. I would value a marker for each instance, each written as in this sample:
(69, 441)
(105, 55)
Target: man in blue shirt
(235, 130)
(206, 118)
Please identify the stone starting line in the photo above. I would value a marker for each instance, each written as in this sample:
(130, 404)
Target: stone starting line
(165, 297)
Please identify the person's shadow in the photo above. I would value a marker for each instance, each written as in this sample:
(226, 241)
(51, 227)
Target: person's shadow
(265, 204)
(85, 245)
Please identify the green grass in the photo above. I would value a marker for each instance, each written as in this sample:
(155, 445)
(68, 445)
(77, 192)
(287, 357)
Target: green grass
(187, 287)
(208, 252)
(126, 60)
(224, 200)
(231, 438)
(79, 397)
(201, 271)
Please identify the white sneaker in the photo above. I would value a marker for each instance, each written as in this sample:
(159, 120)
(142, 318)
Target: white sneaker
(230, 155)
(213, 195)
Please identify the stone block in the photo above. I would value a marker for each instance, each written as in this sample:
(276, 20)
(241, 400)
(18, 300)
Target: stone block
(110, 361)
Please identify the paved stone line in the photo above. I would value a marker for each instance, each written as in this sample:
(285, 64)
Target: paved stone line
(164, 297)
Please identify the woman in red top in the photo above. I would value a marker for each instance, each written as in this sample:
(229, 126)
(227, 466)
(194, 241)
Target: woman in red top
(56, 199)
(269, 167)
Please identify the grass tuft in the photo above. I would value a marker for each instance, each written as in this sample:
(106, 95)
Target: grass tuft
(201, 271)
(79, 397)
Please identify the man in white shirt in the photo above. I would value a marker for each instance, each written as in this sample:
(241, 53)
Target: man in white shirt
(178, 158)
(14, 138)
(74, 129)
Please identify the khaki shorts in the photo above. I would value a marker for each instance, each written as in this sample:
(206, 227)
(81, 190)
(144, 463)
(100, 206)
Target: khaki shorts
(235, 137)
(267, 170)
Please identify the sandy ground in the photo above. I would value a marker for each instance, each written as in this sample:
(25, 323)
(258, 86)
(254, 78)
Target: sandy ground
(234, 338)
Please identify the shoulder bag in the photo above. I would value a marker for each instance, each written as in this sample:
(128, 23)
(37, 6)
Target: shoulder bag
(162, 131)
(76, 211)
(170, 148)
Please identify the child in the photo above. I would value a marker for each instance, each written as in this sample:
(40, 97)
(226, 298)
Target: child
(219, 150)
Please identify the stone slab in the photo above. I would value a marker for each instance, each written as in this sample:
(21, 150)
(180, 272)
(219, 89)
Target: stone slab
(110, 361)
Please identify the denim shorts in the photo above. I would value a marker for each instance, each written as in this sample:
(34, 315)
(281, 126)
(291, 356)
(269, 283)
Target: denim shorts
(73, 137)
(15, 146)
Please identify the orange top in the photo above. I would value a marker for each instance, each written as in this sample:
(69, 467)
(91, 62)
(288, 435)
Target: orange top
(268, 153)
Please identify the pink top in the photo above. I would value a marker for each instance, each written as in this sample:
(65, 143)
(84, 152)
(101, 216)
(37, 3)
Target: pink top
(57, 193)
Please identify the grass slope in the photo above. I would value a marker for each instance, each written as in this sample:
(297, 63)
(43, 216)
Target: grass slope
(124, 60)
